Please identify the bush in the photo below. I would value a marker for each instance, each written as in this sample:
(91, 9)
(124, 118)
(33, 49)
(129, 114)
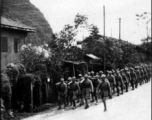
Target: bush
(6, 91)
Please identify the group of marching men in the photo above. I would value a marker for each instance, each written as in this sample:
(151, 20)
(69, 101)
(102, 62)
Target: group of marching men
(99, 85)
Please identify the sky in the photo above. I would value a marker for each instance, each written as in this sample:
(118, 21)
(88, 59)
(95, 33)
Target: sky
(61, 12)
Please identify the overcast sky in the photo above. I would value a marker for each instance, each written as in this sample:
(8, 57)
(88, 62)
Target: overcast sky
(61, 12)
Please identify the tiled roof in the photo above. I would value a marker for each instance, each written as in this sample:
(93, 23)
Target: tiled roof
(8, 23)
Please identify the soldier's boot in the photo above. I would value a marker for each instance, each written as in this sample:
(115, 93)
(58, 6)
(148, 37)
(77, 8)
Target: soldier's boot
(74, 105)
(86, 106)
(78, 97)
(126, 87)
(59, 103)
(81, 101)
(132, 84)
(136, 84)
(113, 91)
(92, 96)
(117, 91)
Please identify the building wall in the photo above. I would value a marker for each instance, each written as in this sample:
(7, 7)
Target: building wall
(11, 56)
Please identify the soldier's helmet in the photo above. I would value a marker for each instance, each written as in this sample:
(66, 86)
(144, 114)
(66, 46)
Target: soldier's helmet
(110, 72)
(80, 75)
(89, 76)
(86, 76)
(73, 78)
(69, 78)
(62, 79)
(97, 73)
(103, 76)
(101, 72)
(92, 72)
(97, 76)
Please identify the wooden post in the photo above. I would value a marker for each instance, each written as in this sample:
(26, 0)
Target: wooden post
(31, 96)
(46, 91)
(40, 95)
(104, 32)
(73, 70)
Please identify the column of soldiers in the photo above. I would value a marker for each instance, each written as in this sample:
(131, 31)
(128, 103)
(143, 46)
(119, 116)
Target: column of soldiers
(93, 86)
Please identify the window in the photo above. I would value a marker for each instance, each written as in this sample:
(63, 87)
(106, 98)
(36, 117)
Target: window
(16, 45)
(4, 44)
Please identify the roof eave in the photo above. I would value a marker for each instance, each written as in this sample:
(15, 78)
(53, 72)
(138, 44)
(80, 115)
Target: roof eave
(19, 28)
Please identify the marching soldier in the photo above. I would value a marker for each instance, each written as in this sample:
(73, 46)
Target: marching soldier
(127, 73)
(87, 89)
(138, 76)
(104, 89)
(125, 80)
(145, 74)
(133, 78)
(92, 78)
(69, 94)
(81, 87)
(119, 82)
(62, 93)
(100, 73)
(148, 71)
(112, 81)
(95, 85)
(74, 90)
(142, 76)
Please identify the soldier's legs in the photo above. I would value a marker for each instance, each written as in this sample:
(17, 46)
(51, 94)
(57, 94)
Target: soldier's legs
(110, 93)
(81, 100)
(68, 99)
(59, 103)
(132, 84)
(121, 86)
(137, 81)
(126, 85)
(78, 98)
(74, 104)
(140, 81)
(104, 103)
(92, 96)
(86, 102)
(117, 90)
(95, 95)
(64, 101)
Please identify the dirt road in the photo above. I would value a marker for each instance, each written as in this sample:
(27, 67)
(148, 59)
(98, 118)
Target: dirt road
(134, 105)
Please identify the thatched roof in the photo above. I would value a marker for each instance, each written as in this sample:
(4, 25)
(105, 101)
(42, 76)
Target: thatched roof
(27, 13)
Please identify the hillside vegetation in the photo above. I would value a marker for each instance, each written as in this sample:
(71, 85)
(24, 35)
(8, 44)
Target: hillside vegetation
(27, 13)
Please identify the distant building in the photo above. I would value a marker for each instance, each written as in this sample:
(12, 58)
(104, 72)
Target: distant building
(13, 36)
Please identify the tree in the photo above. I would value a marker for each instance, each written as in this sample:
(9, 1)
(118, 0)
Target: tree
(80, 20)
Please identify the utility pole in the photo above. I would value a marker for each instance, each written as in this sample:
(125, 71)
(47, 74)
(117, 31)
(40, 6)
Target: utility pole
(104, 38)
(119, 28)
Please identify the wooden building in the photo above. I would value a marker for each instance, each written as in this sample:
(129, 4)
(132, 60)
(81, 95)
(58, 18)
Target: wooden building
(13, 36)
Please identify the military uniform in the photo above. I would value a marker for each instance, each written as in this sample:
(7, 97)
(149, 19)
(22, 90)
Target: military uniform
(138, 77)
(95, 82)
(104, 89)
(62, 93)
(145, 75)
(119, 83)
(125, 81)
(92, 78)
(133, 78)
(87, 89)
(112, 82)
(75, 91)
(69, 93)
